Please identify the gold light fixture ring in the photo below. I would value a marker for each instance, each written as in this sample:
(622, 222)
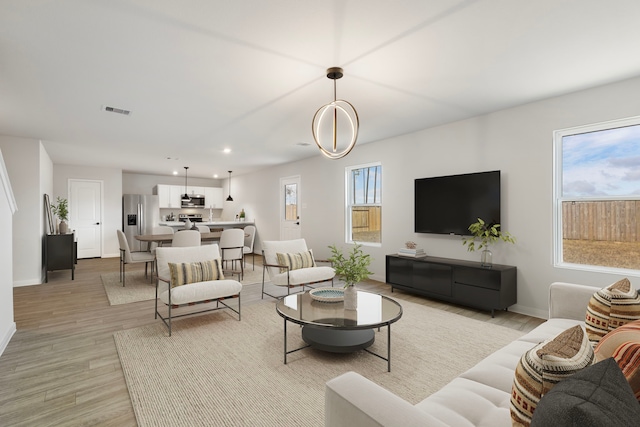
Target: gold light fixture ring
(336, 106)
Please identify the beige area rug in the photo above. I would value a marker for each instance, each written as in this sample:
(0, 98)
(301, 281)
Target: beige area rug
(217, 371)
(138, 287)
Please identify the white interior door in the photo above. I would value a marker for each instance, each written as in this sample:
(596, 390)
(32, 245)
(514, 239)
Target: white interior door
(290, 208)
(85, 216)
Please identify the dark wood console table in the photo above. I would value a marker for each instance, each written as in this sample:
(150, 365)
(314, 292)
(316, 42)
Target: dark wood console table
(457, 281)
(59, 253)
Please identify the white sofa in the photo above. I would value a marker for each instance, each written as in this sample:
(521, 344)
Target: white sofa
(479, 397)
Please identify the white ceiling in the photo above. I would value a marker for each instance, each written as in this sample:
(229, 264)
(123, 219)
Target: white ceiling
(202, 75)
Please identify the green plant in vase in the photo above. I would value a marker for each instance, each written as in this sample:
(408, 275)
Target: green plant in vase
(352, 268)
(61, 210)
(486, 234)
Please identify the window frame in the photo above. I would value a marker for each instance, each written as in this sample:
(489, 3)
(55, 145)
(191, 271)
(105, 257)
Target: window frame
(558, 198)
(348, 205)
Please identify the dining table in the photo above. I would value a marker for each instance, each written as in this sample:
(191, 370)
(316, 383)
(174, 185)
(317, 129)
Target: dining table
(168, 238)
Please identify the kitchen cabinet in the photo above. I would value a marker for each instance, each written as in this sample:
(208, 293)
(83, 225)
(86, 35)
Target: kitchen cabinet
(457, 281)
(170, 195)
(213, 197)
(195, 190)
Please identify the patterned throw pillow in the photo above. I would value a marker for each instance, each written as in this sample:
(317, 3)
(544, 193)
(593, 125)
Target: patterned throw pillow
(185, 273)
(544, 366)
(610, 308)
(296, 261)
(623, 344)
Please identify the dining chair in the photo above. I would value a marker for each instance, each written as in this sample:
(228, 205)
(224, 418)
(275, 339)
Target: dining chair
(231, 247)
(128, 257)
(185, 238)
(249, 238)
(161, 229)
(203, 228)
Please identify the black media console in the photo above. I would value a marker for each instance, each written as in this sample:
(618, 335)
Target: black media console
(460, 282)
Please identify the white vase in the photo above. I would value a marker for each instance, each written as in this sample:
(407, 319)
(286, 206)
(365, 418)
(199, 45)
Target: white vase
(63, 227)
(350, 298)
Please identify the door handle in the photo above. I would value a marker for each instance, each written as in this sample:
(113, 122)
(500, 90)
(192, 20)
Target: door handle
(97, 223)
(298, 223)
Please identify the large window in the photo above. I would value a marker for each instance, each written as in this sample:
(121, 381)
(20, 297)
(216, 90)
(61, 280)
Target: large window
(364, 204)
(597, 196)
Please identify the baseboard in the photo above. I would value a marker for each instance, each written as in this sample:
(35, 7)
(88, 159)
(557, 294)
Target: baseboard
(28, 282)
(7, 337)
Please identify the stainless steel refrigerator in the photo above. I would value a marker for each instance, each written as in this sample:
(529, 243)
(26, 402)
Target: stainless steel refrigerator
(140, 213)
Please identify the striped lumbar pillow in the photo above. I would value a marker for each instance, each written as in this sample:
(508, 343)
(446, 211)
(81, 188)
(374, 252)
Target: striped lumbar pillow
(296, 261)
(610, 308)
(185, 273)
(544, 366)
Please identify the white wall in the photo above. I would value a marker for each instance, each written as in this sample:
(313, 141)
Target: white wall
(137, 183)
(112, 197)
(24, 158)
(7, 209)
(517, 141)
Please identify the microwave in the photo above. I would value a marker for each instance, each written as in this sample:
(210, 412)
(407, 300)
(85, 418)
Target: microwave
(197, 201)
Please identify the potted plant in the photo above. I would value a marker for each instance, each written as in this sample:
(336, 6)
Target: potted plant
(352, 268)
(486, 234)
(61, 210)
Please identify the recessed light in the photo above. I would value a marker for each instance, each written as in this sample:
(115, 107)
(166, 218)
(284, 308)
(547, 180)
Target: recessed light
(226, 150)
(175, 172)
(215, 175)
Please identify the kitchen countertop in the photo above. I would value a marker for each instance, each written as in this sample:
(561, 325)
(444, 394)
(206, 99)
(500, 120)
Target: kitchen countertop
(215, 223)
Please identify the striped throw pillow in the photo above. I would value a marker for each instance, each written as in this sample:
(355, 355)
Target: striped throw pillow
(543, 367)
(296, 261)
(623, 344)
(185, 273)
(610, 308)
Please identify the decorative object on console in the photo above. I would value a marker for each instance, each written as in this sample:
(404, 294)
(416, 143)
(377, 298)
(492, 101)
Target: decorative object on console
(242, 215)
(230, 199)
(411, 250)
(185, 197)
(336, 106)
(352, 269)
(61, 210)
(487, 233)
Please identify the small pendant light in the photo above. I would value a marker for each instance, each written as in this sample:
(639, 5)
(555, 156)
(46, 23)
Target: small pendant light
(185, 196)
(229, 199)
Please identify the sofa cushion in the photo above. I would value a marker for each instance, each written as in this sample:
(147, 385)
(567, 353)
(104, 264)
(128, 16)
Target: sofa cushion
(610, 308)
(200, 291)
(304, 275)
(543, 366)
(296, 261)
(193, 272)
(596, 396)
(467, 403)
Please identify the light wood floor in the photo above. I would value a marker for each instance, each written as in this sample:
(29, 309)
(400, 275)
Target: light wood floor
(62, 368)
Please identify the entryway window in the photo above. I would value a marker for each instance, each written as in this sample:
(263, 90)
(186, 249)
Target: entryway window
(597, 196)
(364, 204)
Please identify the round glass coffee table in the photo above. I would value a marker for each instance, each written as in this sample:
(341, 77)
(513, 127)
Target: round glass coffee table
(329, 327)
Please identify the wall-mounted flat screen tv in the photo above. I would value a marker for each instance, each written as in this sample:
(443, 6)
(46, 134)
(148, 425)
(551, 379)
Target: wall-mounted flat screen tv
(449, 204)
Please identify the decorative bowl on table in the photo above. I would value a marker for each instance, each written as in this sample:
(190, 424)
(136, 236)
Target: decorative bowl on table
(327, 294)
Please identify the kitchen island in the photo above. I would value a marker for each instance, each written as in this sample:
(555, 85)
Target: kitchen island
(177, 225)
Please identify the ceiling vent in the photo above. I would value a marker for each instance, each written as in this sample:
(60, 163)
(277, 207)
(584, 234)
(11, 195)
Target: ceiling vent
(116, 110)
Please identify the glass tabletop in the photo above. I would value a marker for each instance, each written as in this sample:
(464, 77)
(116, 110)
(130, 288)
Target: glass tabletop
(373, 310)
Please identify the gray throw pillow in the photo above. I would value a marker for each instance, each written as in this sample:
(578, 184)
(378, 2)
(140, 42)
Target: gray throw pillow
(595, 396)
